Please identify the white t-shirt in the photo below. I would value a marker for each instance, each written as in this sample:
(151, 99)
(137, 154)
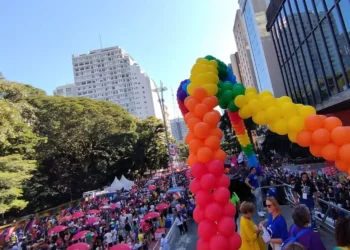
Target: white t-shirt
(178, 221)
(108, 237)
(178, 207)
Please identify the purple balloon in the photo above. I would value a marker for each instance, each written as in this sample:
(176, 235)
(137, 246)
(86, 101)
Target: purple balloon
(182, 96)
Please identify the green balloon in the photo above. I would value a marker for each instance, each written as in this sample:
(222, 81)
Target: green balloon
(221, 84)
(232, 107)
(222, 103)
(220, 93)
(227, 86)
(238, 89)
(227, 96)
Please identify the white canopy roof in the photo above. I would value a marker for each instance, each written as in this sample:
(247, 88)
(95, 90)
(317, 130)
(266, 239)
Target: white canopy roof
(126, 183)
(116, 185)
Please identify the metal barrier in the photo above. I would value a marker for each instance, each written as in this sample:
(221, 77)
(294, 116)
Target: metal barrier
(324, 212)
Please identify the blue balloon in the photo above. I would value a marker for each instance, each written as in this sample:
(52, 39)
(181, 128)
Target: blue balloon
(230, 76)
(184, 87)
(253, 161)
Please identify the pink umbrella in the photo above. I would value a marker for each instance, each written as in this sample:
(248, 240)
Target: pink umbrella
(151, 188)
(92, 220)
(80, 235)
(77, 215)
(65, 218)
(93, 211)
(133, 191)
(113, 206)
(56, 230)
(151, 216)
(162, 206)
(121, 247)
(79, 246)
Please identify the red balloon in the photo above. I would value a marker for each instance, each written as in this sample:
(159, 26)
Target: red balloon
(235, 241)
(229, 210)
(198, 170)
(198, 214)
(208, 182)
(219, 242)
(203, 245)
(223, 181)
(195, 186)
(226, 226)
(213, 211)
(321, 136)
(216, 167)
(206, 229)
(203, 198)
(221, 195)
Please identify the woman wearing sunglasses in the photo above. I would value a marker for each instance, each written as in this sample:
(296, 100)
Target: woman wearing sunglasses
(276, 224)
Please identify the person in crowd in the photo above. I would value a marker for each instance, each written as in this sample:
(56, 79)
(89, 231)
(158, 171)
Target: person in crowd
(164, 243)
(308, 195)
(250, 233)
(342, 234)
(236, 202)
(300, 231)
(276, 224)
(294, 246)
(179, 223)
(252, 182)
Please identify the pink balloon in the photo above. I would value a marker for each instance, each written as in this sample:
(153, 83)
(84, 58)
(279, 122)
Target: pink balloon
(216, 167)
(206, 229)
(223, 181)
(198, 170)
(203, 245)
(219, 242)
(213, 211)
(208, 182)
(195, 186)
(226, 226)
(235, 241)
(221, 195)
(203, 198)
(229, 210)
(198, 214)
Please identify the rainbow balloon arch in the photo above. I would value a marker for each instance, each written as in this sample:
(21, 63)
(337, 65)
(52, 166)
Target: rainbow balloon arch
(213, 83)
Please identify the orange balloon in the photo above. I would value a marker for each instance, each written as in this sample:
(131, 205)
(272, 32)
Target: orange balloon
(189, 115)
(200, 94)
(316, 150)
(344, 153)
(212, 142)
(194, 145)
(340, 136)
(323, 116)
(201, 109)
(313, 122)
(201, 130)
(190, 136)
(192, 122)
(191, 104)
(220, 155)
(205, 155)
(330, 152)
(212, 118)
(191, 160)
(211, 101)
(331, 123)
(342, 166)
(216, 132)
(321, 136)
(304, 138)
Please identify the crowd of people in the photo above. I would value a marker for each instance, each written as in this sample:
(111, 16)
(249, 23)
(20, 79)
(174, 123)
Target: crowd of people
(137, 218)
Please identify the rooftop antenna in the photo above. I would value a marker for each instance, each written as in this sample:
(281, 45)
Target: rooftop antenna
(100, 40)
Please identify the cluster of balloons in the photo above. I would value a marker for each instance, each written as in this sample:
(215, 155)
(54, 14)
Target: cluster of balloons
(327, 137)
(181, 96)
(280, 114)
(227, 93)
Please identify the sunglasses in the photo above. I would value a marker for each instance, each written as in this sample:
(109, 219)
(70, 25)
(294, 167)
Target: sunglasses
(269, 205)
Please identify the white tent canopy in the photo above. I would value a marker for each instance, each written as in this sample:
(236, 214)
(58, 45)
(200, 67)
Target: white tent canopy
(116, 185)
(126, 183)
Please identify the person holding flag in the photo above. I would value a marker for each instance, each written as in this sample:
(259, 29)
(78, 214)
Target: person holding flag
(236, 202)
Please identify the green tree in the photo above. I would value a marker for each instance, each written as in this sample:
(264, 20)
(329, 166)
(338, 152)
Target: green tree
(229, 143)
(183, 151)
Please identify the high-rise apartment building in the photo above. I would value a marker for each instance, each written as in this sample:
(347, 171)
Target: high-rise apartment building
(243, 58)
(67, 90)
(111, 74)
(235, 66)
(178, 129)
(312, 41)
(264, 58)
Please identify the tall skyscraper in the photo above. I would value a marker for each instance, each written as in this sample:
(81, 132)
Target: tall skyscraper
(66, 90)
(243, 58)
(264, 58)
(312, 40)
(111, 74)
(178, 129)
(235, 66)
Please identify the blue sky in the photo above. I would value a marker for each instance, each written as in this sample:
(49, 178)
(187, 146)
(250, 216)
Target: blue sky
(165, 37)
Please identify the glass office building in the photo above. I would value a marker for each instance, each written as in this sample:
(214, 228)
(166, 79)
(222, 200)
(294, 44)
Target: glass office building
(311, 38)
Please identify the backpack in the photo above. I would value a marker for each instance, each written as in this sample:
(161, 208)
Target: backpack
(294, 238)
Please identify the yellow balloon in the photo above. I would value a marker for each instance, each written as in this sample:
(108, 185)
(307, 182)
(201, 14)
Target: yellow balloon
(251, 90)
(212, 89)
(272, 127)
(261, 118)
(274, 113)
(240, 101)
(289, 110)
(191, 87)
(251, 96)
(211, 77)
(201, 60)
(213, 63)
(268, 101)
(265, 93)
(292, 136)
(245, 112)
(281, 127)
(307, 110)
(296, 124)
(255, 105)
(284, 99)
